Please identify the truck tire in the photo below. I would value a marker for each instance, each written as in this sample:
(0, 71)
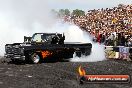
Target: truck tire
(86, 51)
(35, 58)
(78, 53)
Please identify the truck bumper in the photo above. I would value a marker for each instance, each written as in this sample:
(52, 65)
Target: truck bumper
(8, 55)
(18, 57)
(14, 57)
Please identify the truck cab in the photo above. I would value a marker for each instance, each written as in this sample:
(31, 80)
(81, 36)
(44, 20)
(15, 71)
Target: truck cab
(49, 38)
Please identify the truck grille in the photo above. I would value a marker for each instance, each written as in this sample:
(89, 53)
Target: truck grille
(16, 51)
(9, 49)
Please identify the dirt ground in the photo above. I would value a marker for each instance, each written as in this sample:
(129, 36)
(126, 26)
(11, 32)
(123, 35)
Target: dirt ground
(59, 74)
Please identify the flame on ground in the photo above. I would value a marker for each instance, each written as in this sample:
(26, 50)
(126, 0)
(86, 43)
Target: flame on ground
(45, 54)
(81, 71)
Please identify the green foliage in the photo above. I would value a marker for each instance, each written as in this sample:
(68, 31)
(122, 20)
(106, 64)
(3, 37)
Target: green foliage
(63, 12)
(54, 12)
(66, 12)
(78, 12)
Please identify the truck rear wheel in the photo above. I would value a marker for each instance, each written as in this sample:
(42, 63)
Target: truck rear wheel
(78, 53)
(86, 51)
(35, 58)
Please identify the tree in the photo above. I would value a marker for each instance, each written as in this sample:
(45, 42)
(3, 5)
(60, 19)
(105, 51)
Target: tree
(67, 12)
(78, 12)
(120, 5)
(54, 12)
(61, 12)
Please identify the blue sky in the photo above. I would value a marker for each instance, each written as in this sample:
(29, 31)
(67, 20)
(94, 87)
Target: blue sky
(58, 4)
(86, 4)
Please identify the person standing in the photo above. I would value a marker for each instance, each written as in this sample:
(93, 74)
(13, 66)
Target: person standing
(123, 40)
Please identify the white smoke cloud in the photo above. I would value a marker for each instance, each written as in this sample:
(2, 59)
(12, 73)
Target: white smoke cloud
(75, 34)
(21, 17)
(97, 54)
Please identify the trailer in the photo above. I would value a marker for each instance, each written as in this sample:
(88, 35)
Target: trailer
(45, 47)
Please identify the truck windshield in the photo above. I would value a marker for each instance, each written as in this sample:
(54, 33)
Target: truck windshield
(36, 38)
(42, 37)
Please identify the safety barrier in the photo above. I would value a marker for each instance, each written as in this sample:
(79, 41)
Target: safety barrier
(118, 52)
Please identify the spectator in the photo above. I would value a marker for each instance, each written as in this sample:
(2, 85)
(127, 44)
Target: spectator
(109, 26)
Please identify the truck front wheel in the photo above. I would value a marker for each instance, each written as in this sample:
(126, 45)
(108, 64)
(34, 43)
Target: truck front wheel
(35, 58)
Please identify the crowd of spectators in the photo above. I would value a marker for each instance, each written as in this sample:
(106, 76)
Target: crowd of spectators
(110, 26)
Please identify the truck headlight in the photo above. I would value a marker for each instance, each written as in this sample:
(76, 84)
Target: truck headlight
(21, 50)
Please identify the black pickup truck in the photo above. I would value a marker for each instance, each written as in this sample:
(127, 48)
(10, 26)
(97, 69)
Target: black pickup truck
(45, 47)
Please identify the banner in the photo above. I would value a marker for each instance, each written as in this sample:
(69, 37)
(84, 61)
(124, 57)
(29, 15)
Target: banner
(124, 52)
(110, 53)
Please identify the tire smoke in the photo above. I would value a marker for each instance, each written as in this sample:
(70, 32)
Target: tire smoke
(72, 33)
(19, 18)
(23, 18)
(75, 34)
